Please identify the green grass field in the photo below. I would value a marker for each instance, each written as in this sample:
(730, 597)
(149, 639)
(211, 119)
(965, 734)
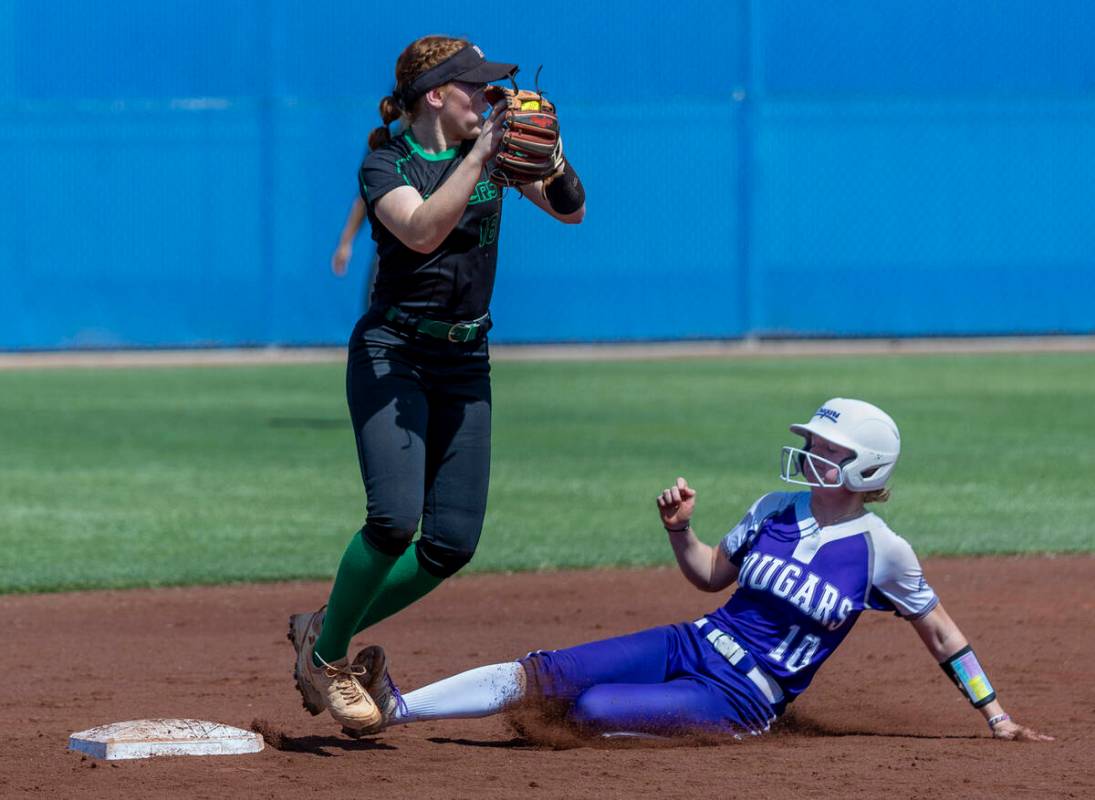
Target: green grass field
(158, 476)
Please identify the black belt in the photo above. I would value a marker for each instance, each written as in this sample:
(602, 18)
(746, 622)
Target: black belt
(449, 331)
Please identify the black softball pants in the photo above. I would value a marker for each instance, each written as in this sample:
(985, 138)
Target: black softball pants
(421, 411)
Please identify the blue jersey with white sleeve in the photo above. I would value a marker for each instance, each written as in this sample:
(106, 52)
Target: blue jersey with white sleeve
(801, 587)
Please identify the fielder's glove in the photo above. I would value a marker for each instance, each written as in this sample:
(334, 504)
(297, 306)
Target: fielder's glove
(531, 148)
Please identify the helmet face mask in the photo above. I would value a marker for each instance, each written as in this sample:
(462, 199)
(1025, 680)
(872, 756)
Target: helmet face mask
(803, 468)
(866, 430)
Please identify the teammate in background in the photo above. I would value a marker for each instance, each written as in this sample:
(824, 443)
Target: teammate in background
(344, 251)
(418, 376)
(807, 564)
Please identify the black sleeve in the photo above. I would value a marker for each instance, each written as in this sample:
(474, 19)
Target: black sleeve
(565, 193)
(379, 174)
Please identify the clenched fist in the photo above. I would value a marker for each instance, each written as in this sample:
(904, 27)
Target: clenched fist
(676, 504)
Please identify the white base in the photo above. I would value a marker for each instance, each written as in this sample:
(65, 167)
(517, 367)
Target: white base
(145, 738)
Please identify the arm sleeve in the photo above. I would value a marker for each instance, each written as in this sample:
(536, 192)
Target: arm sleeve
(380, 173)
(898, 582)
(737, 543)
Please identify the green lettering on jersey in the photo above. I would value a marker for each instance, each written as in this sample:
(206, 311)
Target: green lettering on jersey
(484, 191)
(488, 230)
(399, 169)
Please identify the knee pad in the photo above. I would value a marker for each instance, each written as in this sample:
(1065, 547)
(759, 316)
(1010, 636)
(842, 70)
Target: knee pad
(390, 539)
(441, 561)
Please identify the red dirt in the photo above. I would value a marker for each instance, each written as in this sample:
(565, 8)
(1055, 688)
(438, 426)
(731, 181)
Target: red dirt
(881, 720)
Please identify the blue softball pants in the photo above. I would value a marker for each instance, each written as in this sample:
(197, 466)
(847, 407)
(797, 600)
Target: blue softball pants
(662, 681)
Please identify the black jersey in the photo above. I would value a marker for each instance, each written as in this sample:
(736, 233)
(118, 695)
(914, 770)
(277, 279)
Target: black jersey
(456, 280)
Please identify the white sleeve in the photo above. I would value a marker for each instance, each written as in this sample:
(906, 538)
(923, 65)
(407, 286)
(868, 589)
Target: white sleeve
(737, 542)
(897, 580)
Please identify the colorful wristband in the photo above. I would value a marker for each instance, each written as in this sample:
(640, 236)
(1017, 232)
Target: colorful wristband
(966, 671)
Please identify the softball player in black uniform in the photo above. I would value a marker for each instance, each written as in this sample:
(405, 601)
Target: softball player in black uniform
(418, 376)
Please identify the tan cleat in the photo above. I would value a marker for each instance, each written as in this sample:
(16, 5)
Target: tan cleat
(332, 686)
(346, 698)
(380, 686)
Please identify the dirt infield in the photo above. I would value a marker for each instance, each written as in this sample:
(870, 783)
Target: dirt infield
(881, 720)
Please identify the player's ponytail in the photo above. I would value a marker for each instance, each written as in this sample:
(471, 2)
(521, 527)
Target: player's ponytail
(390, 111)
(877, 496)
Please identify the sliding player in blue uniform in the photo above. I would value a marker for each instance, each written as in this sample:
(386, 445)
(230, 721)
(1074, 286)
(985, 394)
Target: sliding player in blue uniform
(806, 563)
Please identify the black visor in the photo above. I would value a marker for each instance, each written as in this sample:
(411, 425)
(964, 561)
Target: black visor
(468, 65)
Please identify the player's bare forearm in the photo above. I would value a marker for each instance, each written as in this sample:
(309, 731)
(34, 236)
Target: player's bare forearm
(354, 221)
(939, 633)
(438, 215)
(944, 639)
(705, 567)
(422, 225)
(345, 249)
(693, 557)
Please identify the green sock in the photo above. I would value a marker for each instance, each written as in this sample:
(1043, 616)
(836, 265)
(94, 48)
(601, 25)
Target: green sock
(406, 583)
(360, 577)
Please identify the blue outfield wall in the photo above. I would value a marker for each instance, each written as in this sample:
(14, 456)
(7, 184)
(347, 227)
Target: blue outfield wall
(177, 173)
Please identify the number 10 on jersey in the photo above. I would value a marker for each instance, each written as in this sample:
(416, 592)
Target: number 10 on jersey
(802, 654)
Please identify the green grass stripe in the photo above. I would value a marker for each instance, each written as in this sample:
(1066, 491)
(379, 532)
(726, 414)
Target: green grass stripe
(159, 476)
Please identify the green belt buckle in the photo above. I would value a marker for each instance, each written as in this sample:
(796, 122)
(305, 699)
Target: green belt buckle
(469, 332)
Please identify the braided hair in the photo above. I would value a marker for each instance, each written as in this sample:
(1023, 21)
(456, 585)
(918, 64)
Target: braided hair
(418, 57)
